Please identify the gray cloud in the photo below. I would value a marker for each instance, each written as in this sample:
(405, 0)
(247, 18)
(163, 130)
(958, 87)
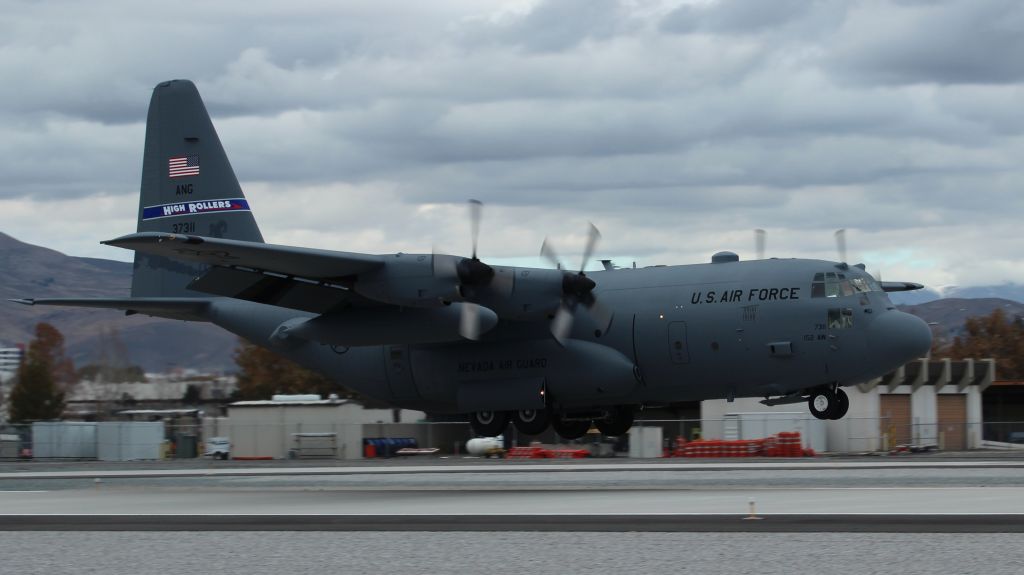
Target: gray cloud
(951, 42)
(678, 127)
(733, 16)
(552, 25)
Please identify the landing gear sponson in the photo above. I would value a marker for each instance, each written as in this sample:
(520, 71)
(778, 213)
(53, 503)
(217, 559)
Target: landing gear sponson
(612, 421)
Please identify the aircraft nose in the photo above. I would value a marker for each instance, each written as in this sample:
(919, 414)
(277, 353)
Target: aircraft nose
(898, 337)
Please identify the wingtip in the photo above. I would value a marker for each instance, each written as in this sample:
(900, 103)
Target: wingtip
(23, 301)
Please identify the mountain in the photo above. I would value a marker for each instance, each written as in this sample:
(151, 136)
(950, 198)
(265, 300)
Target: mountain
(947, 315)
(154, 344)
(1008, 291)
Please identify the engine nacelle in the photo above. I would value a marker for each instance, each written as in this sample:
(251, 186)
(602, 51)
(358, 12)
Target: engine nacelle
(408, 280)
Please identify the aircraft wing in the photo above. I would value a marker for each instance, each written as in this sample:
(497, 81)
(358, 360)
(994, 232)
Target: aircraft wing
(189, 309)
(287, 260)
(276, 289)
(900, 286)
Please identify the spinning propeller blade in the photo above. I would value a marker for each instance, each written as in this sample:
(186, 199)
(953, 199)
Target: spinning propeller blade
(759, 243)
(577, 289)
(476, 208)
(841, 243)
(469, 321)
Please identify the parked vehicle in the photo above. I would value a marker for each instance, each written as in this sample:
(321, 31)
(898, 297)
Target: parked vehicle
(219, 447)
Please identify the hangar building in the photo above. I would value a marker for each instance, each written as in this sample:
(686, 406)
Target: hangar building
(925, 402)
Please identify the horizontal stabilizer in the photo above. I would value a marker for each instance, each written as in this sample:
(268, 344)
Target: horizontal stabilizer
(188, 309)
(287, 260)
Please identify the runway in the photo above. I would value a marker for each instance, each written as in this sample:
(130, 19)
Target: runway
(849, 495)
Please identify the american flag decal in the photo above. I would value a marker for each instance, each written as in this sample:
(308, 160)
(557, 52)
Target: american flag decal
(179, 166)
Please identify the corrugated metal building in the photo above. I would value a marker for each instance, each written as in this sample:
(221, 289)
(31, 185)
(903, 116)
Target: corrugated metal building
(297, 427)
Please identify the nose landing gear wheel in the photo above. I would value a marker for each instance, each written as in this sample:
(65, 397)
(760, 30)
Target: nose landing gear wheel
(827, 404)
(569, 429)
(822, 403)
(618, 422)
(489, 423)
(531, 421)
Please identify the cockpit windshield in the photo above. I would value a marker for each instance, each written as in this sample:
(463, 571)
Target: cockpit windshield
(836, 284)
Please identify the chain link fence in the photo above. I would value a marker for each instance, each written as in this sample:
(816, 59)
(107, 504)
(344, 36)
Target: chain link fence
(165, 440)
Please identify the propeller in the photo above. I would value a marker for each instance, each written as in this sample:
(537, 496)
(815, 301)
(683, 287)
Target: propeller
(886, 286)
(840, 236)
(472, 276)
(841, 243)
(577, 289)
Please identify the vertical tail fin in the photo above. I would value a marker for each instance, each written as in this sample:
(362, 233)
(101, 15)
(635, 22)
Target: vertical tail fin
(188, 187)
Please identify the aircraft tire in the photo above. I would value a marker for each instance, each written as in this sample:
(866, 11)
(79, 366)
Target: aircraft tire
(531, 421)
(842, 405)
(569, 429)
(822, 403)
(489, 423)
(618, 422)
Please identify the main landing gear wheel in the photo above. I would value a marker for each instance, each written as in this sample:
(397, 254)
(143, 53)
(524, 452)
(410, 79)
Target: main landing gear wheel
(531, 421)
(618, 422)
(827, 404)
(489, 423)
(569, 429)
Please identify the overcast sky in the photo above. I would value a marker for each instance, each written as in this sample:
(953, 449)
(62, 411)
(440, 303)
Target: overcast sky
(677, 127)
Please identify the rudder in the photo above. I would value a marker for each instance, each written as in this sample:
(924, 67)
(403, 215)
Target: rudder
(188, 187)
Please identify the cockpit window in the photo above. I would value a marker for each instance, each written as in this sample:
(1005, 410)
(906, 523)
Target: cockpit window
(833, 284)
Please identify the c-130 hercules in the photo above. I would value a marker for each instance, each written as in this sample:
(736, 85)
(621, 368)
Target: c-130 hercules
(537, 347)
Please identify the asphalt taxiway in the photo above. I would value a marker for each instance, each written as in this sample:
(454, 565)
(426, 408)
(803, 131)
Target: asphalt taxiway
(861, 494)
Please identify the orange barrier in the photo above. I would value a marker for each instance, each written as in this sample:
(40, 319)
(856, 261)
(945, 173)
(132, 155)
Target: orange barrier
(789, 444)
(784, 444)
(568, 453)
(526, 453)
(537, 452)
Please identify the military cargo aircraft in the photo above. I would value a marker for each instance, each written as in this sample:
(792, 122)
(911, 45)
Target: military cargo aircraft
(537, 347)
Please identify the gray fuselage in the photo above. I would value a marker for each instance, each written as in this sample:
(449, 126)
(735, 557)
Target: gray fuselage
(679, 333)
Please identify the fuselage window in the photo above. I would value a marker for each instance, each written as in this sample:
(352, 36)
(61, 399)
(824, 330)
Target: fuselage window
(835, 318)
(847, 318)
(840, 318)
